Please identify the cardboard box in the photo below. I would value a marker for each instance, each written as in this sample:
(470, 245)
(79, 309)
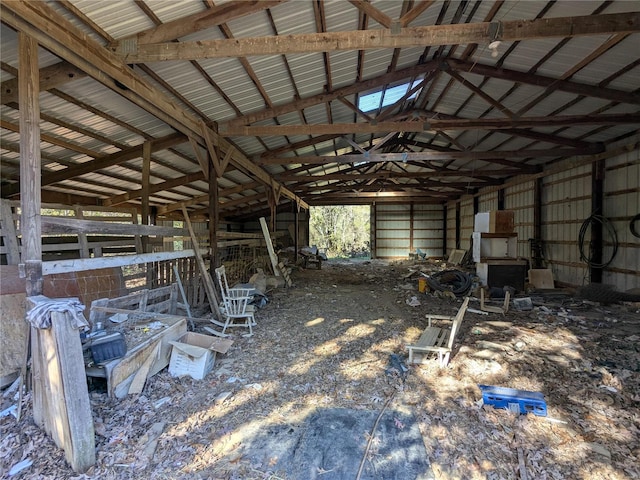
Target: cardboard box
(194, 354)
(495, 221)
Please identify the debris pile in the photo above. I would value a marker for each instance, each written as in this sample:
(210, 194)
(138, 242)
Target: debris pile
(337, 341)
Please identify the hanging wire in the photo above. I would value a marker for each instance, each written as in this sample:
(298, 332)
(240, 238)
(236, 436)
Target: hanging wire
(597, 219)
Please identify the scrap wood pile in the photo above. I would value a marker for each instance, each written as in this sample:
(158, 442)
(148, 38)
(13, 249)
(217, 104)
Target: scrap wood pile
(327, 343)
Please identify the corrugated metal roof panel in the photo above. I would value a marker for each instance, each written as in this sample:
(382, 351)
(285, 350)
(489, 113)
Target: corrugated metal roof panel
(272, 73)
(118, 19)
(308, 72)
(343, 68)
(106, 100)
(606, 65)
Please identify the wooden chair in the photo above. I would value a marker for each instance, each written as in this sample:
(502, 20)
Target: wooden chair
(437, 339)
(235, 304)
(489, 308)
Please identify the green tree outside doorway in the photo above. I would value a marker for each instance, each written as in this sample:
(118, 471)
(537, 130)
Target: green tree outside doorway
(342, 231)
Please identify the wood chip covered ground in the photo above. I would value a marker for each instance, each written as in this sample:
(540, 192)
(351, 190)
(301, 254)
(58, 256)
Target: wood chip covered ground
(326, 343)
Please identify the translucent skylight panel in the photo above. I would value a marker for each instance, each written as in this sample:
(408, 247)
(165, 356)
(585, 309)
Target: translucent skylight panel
(371, 101)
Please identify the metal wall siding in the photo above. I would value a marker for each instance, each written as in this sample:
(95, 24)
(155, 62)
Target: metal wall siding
(621, 204)
(566, 202)
(466, 221)
(451, 226)
(427, 229)
(488, 202)
(520, 199)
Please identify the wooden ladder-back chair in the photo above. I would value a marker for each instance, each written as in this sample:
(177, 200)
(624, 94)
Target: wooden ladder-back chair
(235, 304)
(437, 339)
(490, 308)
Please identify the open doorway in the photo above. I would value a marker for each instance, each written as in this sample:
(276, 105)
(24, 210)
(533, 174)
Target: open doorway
(341, 231)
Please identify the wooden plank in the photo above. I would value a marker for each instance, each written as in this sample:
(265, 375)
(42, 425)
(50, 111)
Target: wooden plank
(121, 372)
(434, 35)
(185, 302)
(429, 337)
(83, 264)
(272, 254)
(285, 273)
(80, 452)
(208, 283)
(140, 377)
(9, 235)
(61, 398)
(74, 225)
(541, 278)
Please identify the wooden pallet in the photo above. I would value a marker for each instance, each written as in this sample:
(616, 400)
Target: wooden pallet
(286, 274)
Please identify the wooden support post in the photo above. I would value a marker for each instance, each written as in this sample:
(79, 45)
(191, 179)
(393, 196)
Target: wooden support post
(444, 230)
(146, 173)
(536, 258)
(30, 163)
(372, 230)
(272, 199)
(597, 208)
(296, 231)
(411, 226)
(206, 277)
(457, 225)
(83, 244)
(214, 216)
(501, 201)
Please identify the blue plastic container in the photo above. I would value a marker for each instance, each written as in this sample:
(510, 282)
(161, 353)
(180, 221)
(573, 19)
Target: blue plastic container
(514, 400)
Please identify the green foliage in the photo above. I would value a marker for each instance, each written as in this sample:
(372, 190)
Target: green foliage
(341, 230)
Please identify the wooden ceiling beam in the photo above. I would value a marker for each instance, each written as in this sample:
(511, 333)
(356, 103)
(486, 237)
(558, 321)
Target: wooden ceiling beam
(368, 9)
(386, 197)
(209, 18)
(102, 162)
(58, 35)
(538, 80)
(433, 156)
(301, 104)
(50, 77)
(440, 35)
(478, 91)
(430, 125)
(389, 174)
(415, 12)
(155, 188)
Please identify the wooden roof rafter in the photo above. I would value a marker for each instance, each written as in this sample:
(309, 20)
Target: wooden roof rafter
(64, 40)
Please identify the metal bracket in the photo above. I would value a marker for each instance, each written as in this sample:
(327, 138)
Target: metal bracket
(495, 31)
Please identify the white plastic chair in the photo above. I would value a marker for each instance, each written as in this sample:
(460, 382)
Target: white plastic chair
(235, 304)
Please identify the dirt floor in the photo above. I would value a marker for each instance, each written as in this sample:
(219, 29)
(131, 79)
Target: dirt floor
(326, 343)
